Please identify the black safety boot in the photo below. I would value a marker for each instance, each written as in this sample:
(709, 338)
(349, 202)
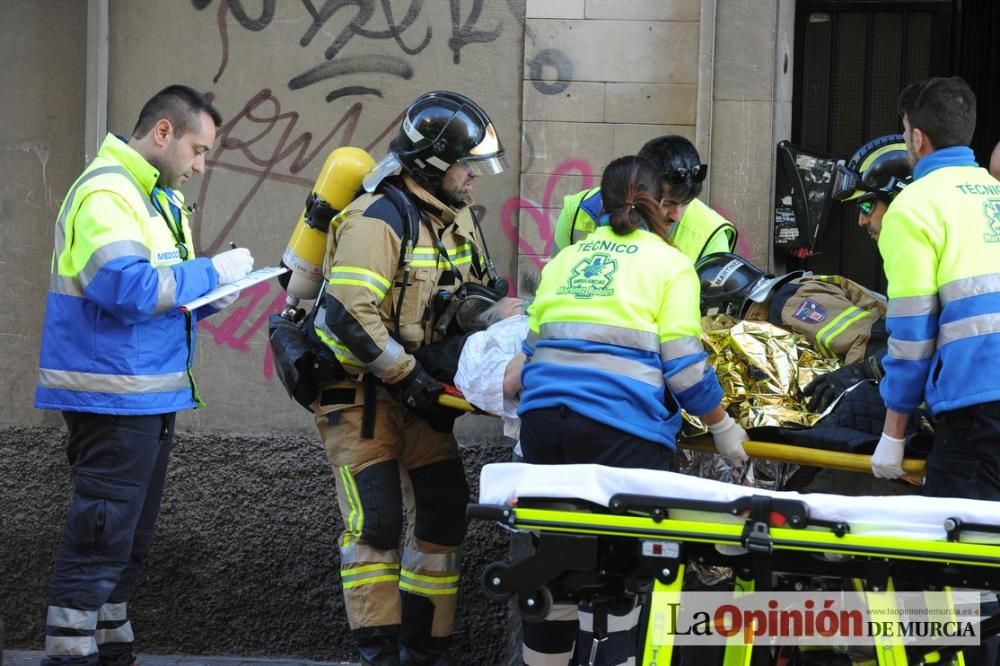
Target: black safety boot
(121, 659)
(426, 651)
(379, 646)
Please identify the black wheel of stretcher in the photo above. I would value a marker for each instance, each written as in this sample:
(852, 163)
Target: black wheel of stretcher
(492, 581)
(535, 607)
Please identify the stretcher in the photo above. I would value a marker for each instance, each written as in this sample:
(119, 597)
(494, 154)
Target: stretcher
(782, 453)
(601, 533)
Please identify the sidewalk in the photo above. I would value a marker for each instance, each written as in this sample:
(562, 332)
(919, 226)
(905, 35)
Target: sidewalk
(26, 658)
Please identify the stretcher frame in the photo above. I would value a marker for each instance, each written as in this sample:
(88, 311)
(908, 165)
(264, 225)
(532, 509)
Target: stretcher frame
(782, 453)
(776, 535)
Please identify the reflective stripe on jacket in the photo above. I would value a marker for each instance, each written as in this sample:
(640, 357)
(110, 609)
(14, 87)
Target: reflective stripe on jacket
(615, 324)
(940, 241)
(113, 339)
(699, 232)
(365, 281)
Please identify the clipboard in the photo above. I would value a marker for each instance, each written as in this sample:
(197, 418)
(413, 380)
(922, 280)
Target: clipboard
(249, 280)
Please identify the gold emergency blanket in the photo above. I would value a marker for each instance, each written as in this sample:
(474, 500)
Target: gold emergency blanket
(762, 369)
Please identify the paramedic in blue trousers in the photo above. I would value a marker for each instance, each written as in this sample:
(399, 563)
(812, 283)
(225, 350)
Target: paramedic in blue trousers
(940, 242)
(613, 354)
(116, 360)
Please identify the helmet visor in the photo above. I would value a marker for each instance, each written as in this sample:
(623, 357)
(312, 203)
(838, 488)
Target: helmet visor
(845, 182)
(486, 166)
(487, 158)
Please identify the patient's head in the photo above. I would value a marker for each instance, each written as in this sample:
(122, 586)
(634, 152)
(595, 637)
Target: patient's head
(502, 309)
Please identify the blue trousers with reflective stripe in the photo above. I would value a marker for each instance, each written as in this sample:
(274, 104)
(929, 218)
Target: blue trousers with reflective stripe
(119, 465)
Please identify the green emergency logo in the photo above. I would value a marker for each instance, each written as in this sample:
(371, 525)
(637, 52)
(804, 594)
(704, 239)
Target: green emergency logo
(592, 276)
(992, 210)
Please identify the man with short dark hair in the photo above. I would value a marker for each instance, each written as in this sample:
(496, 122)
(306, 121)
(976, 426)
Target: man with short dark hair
(940, 242)
(116, 360)
(696, 230)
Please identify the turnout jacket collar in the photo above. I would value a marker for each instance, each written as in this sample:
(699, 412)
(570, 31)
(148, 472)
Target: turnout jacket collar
(437, 208)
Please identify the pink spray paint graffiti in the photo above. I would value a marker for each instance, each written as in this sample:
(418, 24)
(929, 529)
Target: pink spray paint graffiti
(743, 246)
(227, 332)
(539, 217)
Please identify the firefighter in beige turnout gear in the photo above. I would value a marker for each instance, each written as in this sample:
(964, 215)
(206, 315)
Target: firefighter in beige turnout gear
(388, 442)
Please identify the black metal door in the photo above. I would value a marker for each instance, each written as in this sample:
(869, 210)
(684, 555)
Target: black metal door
(852, 59)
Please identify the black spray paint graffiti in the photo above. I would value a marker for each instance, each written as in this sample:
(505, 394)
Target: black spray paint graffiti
(465, 30)
(554, 62)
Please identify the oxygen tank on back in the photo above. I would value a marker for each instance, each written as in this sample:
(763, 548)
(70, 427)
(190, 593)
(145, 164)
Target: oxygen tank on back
(335, 187)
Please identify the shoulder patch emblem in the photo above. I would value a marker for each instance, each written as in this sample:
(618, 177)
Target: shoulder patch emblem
(810, 312)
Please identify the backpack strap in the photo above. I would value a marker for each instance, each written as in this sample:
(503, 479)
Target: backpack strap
(410, 214)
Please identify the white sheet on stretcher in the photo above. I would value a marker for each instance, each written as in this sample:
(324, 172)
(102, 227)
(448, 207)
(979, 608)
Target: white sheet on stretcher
(905, 516)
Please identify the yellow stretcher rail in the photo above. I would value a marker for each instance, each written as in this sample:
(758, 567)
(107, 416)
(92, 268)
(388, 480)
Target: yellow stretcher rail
(799, 455)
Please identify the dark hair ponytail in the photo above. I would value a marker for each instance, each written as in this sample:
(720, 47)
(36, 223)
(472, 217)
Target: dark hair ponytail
(631, 193)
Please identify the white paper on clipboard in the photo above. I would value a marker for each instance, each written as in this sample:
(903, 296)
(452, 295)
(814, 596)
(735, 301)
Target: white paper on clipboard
(249, 280)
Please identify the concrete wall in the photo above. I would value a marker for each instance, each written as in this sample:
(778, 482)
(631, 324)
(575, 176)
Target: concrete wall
(601, 77)
(751, 113)
(41, 153)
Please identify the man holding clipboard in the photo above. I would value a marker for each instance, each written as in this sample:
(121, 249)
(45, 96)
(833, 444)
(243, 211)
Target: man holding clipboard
(116, 360)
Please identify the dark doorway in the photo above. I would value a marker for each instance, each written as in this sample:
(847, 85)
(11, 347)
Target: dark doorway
(852, 59)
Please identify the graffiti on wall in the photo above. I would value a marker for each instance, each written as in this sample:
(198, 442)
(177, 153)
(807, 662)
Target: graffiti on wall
(349, 20)
(264, 143)
(523, 218)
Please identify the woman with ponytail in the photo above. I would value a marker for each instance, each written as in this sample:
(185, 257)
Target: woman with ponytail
(613, 354)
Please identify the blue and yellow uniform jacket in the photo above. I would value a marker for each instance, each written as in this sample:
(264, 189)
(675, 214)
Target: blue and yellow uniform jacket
(940, 241)
(614, 335)
(114, 340)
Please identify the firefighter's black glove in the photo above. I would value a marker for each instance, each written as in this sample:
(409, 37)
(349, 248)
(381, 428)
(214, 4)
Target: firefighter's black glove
(826, 388)
(418, 390)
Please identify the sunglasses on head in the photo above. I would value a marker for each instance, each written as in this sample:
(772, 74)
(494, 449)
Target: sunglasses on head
(866, 204)
(695, 174)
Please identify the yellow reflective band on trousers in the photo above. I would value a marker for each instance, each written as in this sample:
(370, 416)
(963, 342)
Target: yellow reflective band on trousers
(369, 574)
(355, 521)
(826, 335)
(428, 586)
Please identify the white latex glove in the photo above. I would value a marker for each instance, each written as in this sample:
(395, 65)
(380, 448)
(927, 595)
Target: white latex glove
(224, 302)
(729, 438)
(887, 461)
(232, 265)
